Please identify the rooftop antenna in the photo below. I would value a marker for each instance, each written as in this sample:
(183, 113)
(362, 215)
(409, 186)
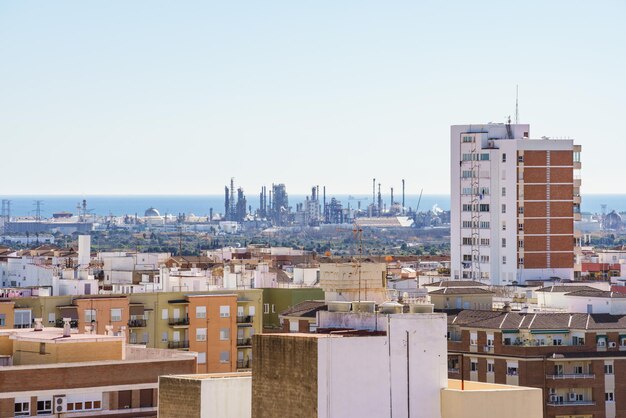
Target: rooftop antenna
(516, 104)
(38, 204)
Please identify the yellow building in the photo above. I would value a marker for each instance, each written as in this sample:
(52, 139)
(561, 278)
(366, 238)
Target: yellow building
(480, 400)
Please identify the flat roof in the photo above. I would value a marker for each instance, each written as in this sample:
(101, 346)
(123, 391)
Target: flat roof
(55, 335)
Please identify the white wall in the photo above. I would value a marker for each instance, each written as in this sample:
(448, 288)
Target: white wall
(367, 376)
(226, 397)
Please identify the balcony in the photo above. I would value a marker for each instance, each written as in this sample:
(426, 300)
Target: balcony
(179, 322)
(243, 364)
(59, 323)
(571, 403)
(571, 376)
(178, 344)
(244, 342)
(244, 320)
(137, 323)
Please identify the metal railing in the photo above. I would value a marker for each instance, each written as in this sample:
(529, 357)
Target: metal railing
(179, 321)
(59, 323)
(244, 342)
(243, 364)
(570, 403)
(178, 344)
(571, 376)
(137, 323)
(244, 319)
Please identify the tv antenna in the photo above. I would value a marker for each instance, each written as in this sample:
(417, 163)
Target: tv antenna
(516, 104)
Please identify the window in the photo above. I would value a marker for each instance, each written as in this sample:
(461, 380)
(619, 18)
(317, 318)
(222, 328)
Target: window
(557, 340)
(484, 224)
(473, 338)
(578, 340)
(224, 356)
(602, 341)
(504, 259)
(520, 227)
(503, 208)
(22, 409)
(511, 370)
(52, 318)
(503, 242)
(200, 334)
(490, 366)
(520, 210)
(225, 334)
(164, 337)
(503, 157)
(504, 192)
(22, 318)
(202, 358)
(484, 258)
(474, 365)
(224, 311)
(578, 369)
(484, 157)
(164, 314)
(90, 315)
(608, 369)
(3, 320)
(520, 261)
(468, 139)
(44, 407)
(490, 340)
(504, 225)
(609, 396)
(266, 308)
(116, 315)
(484, 207)
(200, 311)
(251, 310)
(520, 243)
(273, 308)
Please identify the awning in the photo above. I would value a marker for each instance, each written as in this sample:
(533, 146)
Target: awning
(69, 312)
(510, 331)
(598, 337)
(136, 310)
(549, 331)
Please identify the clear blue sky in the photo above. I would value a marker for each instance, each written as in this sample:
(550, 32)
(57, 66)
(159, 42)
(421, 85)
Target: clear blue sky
(175, 97)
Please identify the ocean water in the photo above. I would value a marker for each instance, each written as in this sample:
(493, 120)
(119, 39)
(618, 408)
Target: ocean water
(200, 205)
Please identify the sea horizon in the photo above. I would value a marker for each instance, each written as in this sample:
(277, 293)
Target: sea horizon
(125, 204)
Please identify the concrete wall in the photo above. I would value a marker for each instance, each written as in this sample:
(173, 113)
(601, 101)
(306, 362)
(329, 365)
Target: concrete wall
(227, 397)
(480, 400)
(284, 382)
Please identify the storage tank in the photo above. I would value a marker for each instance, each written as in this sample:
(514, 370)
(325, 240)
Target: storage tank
(390, 308)
(368, 306)
(339, 306)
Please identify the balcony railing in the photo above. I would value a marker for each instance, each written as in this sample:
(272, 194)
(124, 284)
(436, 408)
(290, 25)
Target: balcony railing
(243, 364)
(178, 344)
(570, 403)
(59, 323)
(453, 370)
(241, 342)
(571, 376)
(137, 323)
(244, 319)
(179, 321)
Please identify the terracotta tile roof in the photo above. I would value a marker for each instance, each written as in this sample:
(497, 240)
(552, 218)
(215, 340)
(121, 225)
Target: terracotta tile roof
(565, 289)
(455, 283)
(306, 309)
(461, 291)
(595, 293)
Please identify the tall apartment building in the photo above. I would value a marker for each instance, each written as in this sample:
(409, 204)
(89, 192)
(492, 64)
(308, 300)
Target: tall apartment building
(514, 201)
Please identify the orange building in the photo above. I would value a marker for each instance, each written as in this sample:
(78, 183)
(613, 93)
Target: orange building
(99, 312)
(212, 331)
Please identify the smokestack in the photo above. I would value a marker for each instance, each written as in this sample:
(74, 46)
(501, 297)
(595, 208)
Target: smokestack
(373, 191)
(324, 205)
(403, 196)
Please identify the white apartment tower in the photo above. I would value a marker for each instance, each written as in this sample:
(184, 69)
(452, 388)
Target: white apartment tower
(514, 201)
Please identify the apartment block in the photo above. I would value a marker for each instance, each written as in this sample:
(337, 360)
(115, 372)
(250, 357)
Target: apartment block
(217, 325)
(577, 359)
(52, 372)
(514, 201)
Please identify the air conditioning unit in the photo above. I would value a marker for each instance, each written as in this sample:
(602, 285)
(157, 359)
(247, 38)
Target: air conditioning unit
(612, 345)
(59, 404)
(554, 398)
(572, 397)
